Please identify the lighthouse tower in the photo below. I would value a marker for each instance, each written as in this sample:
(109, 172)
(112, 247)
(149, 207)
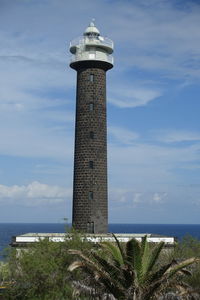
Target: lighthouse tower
(91, 58)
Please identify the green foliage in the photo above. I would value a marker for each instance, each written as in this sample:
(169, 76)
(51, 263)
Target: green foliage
(4, 272)
(130, 271)
(40, 272)
(187, 248)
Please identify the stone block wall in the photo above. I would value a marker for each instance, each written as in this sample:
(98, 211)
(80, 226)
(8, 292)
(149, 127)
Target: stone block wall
(90, 204)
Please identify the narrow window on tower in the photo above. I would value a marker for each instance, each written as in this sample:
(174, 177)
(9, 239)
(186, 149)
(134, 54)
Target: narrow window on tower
(91, 164)
(91, 106)
(92, 227)
(91, 77)
(90, 195)
(88, 227)
(92, 135)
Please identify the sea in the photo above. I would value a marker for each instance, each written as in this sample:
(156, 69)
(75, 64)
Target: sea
(8, 230)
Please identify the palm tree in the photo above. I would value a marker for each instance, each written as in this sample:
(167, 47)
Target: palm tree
(128, 272)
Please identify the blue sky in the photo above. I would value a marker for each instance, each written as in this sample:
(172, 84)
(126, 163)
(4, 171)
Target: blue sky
(153, 108)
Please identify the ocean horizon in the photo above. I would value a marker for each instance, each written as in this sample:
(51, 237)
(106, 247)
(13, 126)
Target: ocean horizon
(7, 230)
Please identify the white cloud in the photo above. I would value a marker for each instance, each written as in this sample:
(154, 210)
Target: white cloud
(122, 135)
(118, 195)
(173, 136)
(34, 194)
(150, 167)
(137, 198)
(159, 197)
(133, 198)
(133, 97)
(36, 141)
(158, 41)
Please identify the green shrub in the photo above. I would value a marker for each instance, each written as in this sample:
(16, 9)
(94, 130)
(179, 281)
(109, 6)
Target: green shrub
(190, 247)
(40, 272)
(4, 272)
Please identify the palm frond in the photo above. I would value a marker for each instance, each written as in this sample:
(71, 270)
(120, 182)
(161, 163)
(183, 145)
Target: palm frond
(145, 255)
(113, 267)
(75, 265)
(137, 256)
(130, 272)
(106, 265)
(130, 251)
(157, 279)
(87, 263)
(119, 246)
(173, 270)
(154, 256)
(114, 251)
(100, 275)
(114, 287)
(85, 256)
(144, 245)
(158, 274)
(137, 259)
(164, 275)
(186, 272)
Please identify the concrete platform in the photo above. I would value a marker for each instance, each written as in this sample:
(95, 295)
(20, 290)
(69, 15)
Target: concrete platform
(29, 238)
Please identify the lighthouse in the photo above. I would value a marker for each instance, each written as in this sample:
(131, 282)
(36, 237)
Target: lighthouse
(91, 58)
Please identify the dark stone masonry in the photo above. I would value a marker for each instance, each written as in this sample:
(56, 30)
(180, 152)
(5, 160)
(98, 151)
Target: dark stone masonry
(90, 212)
